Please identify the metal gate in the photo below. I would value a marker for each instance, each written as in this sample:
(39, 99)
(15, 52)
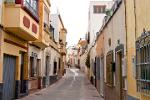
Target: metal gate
(9, 65)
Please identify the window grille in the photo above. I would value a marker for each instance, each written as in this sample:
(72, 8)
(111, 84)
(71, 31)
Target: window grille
(143, 63)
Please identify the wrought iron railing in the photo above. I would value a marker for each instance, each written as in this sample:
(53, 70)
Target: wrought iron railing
(143, 63)
(143, 86)
(27, 5)
(32, 10)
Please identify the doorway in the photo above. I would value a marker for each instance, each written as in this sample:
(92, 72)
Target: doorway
(9, 66)
(55, 67)
(95, 71)
(47, 66)
(22, 89)
(102, 76)
(119, 81)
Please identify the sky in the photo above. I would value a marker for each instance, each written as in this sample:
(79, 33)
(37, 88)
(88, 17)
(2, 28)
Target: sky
(74, 14)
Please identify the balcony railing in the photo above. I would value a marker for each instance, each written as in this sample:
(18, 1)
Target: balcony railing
(29, 7)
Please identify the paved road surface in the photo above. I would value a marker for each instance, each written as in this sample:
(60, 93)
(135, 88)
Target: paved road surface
(73, 86)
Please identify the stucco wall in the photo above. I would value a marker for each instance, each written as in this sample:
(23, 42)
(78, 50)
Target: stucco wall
(115, 30)
(10, 49)
(134, 30)
(54, 57)
(94, 24)
(55, 22)
(114, 36)
(82, 62)
(100, 44)
(38, 51)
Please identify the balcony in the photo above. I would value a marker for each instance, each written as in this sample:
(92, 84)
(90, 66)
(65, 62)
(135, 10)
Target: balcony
(62, 48)
(53, 44)
(63, 51)
(19, 22)
(43, 41)
(46, 38)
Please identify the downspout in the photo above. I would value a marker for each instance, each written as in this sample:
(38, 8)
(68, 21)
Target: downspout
(135, 18)
(126, 25)
(125, 5)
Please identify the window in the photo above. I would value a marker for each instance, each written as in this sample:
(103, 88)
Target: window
(46, 16)
(31, 67)
(34, 66)
(52, 32)
(143, 63)
(32, 6)
(110, 68)
(99, 8)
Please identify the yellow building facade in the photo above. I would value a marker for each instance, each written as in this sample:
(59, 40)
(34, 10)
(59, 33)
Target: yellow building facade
(17, 29)
(137, 22)
(62, 46)
(37, 48)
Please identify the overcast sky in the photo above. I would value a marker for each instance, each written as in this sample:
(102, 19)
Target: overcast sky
(75, 17)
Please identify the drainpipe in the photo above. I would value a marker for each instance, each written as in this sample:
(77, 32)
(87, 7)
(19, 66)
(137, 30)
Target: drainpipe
(135, 16)
(126, 25)
(125, 5)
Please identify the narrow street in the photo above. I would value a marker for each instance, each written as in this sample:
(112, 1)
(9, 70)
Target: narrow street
(74, 50)
(73, 86)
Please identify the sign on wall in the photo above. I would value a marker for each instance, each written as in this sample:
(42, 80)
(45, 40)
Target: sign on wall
(1, 11)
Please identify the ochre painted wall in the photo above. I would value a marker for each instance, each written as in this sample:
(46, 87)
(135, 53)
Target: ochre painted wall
(14, 50)
(137, 19)
(100, 45)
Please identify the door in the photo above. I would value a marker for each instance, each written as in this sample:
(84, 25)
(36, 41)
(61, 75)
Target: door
(22, 89)
(38, 67)
(47, 69)
(47, 66)
(9, 65)
(59, 63)
(102, 76)
(55, 67)
(39, 73)
(119, 75)
(95, 71)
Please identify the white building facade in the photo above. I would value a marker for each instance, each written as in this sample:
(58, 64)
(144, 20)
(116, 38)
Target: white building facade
(97, 11)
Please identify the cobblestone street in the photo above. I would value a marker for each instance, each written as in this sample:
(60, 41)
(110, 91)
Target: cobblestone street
(73, 86)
